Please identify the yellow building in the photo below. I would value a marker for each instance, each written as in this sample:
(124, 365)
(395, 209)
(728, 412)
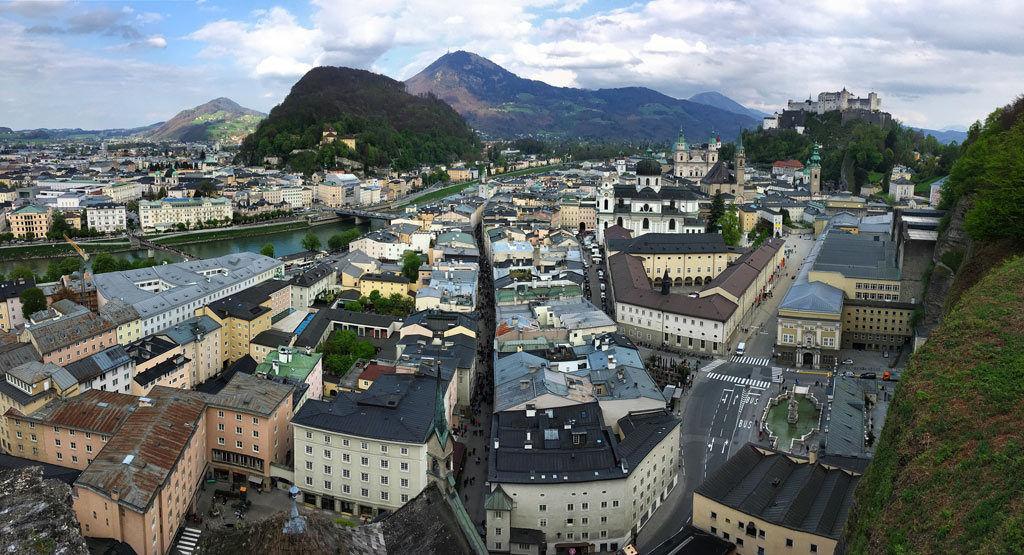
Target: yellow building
(240, 321)
(780, 521)
(689, 258)
(24, 389)
(31, 221)
(748, 217)
(386, 284)
(126, 318)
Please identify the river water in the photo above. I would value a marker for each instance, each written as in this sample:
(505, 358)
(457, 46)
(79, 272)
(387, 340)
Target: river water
(285, 242)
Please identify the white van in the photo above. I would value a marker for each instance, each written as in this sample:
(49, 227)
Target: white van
(740, 347)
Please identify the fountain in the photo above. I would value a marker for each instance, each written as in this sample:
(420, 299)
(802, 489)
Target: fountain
(791, 425)
(794, 410)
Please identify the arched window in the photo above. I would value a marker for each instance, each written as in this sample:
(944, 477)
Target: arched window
(606, 204)
(648, 181)
(620, 220)
(672, 224)
(647, 224)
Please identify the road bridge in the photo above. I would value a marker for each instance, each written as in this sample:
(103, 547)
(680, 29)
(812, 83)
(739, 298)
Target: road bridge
(376, 219)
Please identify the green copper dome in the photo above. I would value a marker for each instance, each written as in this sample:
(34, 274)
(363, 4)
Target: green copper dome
(815, 158)
(648, 166)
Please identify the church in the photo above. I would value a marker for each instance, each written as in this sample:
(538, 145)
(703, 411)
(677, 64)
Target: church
(648, 205)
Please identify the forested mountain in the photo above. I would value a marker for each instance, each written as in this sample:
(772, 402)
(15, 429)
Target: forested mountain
(504, 105)
(220, 119)
(392, 126)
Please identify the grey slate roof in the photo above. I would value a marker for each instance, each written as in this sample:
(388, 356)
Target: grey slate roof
(188, 284)
(670, 243)
(32, 372)
(815, 297)
(775, 488)
(96, 365)
(397, 407)
(188, 331)
(858, 255)
(247, 393)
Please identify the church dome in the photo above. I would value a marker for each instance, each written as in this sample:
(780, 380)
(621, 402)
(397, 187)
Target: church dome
(648, 166)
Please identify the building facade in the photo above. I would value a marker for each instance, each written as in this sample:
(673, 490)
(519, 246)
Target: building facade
(167, 213)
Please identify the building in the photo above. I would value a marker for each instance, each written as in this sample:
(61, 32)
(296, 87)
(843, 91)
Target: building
(142, 485)
(168, 213)
(298, 366)
(31, 221)
(771, 502)
(108, 370)
(244, 315)
(689, 259)
(385, 284)
(159, 362)
(837, 101)
(125, 318)
(69, 431)
(901, 188)
(364, 454)
(648, 205)
(106, 217)
(200, 341)
(10, 303)
(694, 161)
(562, 479)
(27, 387)
(310, 284)
(67, 332)
(171, 293)
(248, 427)
(339, 189)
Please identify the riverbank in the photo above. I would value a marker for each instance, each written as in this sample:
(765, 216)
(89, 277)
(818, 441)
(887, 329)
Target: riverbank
(59, 250)
(458, 188)
(216, 234)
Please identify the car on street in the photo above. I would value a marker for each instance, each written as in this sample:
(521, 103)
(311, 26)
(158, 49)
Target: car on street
(868, 376)
(848, 374)
(885, 354)
(848, 361)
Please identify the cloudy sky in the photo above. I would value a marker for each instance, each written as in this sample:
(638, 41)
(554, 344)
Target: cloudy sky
(935, 63)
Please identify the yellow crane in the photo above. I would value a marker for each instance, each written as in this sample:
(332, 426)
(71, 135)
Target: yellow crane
(83, 254)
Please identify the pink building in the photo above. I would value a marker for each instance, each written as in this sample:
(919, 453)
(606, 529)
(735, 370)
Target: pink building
(67, 332)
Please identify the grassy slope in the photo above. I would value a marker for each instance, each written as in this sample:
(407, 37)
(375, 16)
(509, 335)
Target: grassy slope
(948, 474)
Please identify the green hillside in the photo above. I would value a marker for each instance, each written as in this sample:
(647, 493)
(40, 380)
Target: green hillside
(948, 472)
(392, 126)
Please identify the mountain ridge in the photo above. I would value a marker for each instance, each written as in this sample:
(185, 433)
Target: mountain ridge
(218, 119)
(719, 100)
(499, 103)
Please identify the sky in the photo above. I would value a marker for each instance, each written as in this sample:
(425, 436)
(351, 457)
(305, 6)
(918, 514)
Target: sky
(98, 65)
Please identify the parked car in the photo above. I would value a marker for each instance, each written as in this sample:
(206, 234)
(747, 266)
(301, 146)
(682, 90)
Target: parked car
(885, 354)
(868, 375)
(848, 373)
(848, 361)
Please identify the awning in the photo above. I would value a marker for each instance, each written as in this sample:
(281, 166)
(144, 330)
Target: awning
(256, 479)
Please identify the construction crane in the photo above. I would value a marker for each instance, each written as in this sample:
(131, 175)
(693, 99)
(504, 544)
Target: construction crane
(85, 257)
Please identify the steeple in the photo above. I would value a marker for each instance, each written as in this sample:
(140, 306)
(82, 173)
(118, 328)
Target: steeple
(666, 283)
(440, 422)
(815, 158)
(739, 141)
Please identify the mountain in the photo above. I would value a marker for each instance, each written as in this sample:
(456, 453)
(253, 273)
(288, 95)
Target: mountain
(220, 119)
(719, 100)
(75, 133)
(392, 127)
(944, 136)
(502, 104)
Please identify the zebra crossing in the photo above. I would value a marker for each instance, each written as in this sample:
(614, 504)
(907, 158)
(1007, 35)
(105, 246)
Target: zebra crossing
(712, 365)
(755, 361)
(189, 539)
(776, 374)
(760, 384)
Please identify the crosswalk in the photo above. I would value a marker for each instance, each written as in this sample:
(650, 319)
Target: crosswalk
(188, 540)
(776, 374)
(760, 384)
(713, 364)
(756, 361)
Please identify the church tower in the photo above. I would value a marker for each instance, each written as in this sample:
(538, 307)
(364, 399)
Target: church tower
(815, 164)
(741, 161)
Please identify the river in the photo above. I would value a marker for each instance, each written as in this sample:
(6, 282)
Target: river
(285, 242)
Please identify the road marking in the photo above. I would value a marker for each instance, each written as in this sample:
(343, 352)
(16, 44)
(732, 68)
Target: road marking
(712, 365)
(724, 446)
(759, 384)
(816, 373)
(754, 361)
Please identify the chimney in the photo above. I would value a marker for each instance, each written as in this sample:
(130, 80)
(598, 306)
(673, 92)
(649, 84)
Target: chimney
(812, 456)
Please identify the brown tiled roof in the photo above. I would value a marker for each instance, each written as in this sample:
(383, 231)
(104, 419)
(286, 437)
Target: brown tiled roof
(94, 410)
(373, 370)
(137, 461)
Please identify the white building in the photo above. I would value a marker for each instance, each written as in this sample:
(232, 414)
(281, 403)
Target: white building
(106, 217)
(306, 286)
(382, 245)
(169, 294)
(365, 453)
(293, 196)
(169, 212)
(108, 370)
(561, 479)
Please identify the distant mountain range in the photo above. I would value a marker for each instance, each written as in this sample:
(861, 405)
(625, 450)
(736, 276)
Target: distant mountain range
(503, 105)
(719, 100)
(946, 135)
(220, 119)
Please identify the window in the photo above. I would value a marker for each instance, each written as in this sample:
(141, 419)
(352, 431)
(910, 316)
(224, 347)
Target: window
(255, 433)
(760, 550)
(364, 446)
(309, 465)
(220, 427)
(327, 469)
(405, 498)
(569, 506)
(814, 548)
(604, 504)
(384, 464)
(309, 449)
(220, 441)
(344, 457)
(604, 520)
(238, 417)
(542, 522)
(309, 480)
(327, 484)
(585, 506)
(220, 414)
(238, 444)
(364, 477)
(255, 421)
(405, 450)
(404, 467)
(238, 430)
(542, 508)
(760, 534)
(789, 542)
(569, 522)
(327, 453)
(345, 473)
(404, 482)
(497, 531)
(365, 461)
(383, 448)
(383, 480)
(364, 492)
(714, 515)
(714, 530)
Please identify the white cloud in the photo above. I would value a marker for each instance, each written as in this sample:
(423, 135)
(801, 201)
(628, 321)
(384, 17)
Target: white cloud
(157, 42)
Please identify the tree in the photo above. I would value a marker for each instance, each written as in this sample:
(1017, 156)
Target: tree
(731, 230)
(268, 250)
(786, 219)
(32, 300)
(311, 242)
(63, 293)
(59, 226)
(335, 242)
(103, 263)
(161, 193)
(21, 272)
(411, 263)
(354, 306)
(717, 210)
